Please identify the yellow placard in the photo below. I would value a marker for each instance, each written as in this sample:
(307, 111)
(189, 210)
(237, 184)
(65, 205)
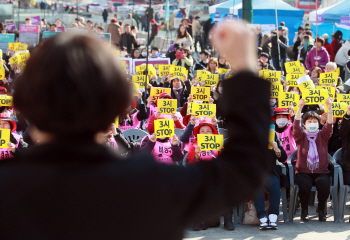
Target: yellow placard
(167, 106)
(200, 93)
(204, 110)
(275, 90)
(5, 101)
(291, 79)
(2, 73)
(337, 71)
(15, 59)
(20, 47)
(210, 79)
(24, 56)
(164, 128)
(271, 137)
(297, 70)
(12, 46)
(135, 87)
(309, 84)
(331, 90)
(343, 98)
(177, 71)
(273, 76)
(4, 137)
(285, 99)
(141, 69)
(263, 73)
(155, 92)
(116, 121)
(164, 69)
(140, 80)
(328, 78)
(189, 108)
(200, 73)
(123, 65)
(212, 142)
(290, 65)
(223, 70)
(315, 96)
(339, 109)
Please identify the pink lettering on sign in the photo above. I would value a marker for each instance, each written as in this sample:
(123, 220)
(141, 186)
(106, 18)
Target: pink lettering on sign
(11, 26)
(29, 28)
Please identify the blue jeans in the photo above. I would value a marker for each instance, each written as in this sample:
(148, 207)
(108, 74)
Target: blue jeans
(274, 188)
(275, 61)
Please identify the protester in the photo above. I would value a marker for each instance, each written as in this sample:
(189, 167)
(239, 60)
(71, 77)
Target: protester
(28, 21)
(149, 13)
(338, 35)
(144, 53)
(144, 22)
(223, 63)
(129, 20)
(213, 66)
(342, 57)
(135, 53)
(264, 58)
(312, 163)
(154, 30)
(201, 65)
(330, 67)
(136, 17)
(183, 38)
(115, 31)
(185, 22)
(127, 40)
(89, 26)
(305, 48)
(197, 31)
(285, 32)
(297, 37)
(322, 56)
(105, 15)
(266, 44)
(281, 53)
(180, 89)
(344, 135)
(328, 47)
(185, 61)
(172, 54)
(298, 41)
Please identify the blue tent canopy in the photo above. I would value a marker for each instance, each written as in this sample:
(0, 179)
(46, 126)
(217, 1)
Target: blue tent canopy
(264, 13)
(333, 14)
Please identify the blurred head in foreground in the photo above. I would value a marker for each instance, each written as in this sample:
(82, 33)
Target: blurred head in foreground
(72, 87)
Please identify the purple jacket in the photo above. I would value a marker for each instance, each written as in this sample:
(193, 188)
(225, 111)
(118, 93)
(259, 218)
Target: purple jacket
(322, 56)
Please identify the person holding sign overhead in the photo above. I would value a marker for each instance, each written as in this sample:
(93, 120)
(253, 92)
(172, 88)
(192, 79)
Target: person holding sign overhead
(331, 67)
(185, 60)
(60, 98)
(312, 163)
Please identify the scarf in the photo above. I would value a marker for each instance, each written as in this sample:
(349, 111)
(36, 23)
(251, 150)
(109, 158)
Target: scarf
(312, 156)
(177, 92)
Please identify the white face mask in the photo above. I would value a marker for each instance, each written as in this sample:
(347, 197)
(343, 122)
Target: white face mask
(144, 54)
(155, 53)
(311, 127)
(221, 89)
(281, 122)
(295, 92)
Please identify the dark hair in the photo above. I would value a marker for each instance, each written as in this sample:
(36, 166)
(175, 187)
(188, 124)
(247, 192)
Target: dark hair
(308, 32)
(53, 24)
(154, 48)
(320, 39)
(283, 24)
(127, 25)
(101, 28)
(291, 87)
(319, 70)
(337, 34)
(311, 114)
(28, 18)
(89, 21)
(300, 28)
(132, 52)
(179, 35)
(307, 24)
(133, 27)
(4, 28)
(176, 45)
(197, 17)
(186, 51)
(77, 93)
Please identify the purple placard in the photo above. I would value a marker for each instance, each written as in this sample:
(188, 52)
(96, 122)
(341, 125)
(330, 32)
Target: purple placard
(11, 27)
(60, 29)
(320, 18)
(345, 20)
(36, 20)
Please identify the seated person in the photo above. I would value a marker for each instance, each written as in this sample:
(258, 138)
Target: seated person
(345, 137)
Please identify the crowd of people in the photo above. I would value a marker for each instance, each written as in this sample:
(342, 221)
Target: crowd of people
(310, 129)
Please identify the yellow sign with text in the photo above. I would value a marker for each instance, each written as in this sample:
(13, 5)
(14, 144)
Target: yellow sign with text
(263, 73)
(204, 110)
(337, 71)
(223, 70)
(291, 79)
(116, 121)
(200, 73)
(6, 101)
(4, 137)
(275, 90)
(343, 98)
(212, 142)
(20, 47)
(189, 108)
(140, 70)
(140, 80)
(2, 73)
(273, 77)
(164, 69)
(24, 57)
(164, 128)
(155, 92)
(339, 109)
(271, 137)
(200, 93)
(315, 96)
(331, 90)
(167, 106)
(15, 59)
(12, 46)
(285, 99)
(290, 65)
(210, 79)
(328, 78)
(309, 84)
(297, 70)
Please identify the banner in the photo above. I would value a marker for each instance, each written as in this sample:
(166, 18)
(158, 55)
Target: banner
(4, 137)
(156, 91)
(36, 20)
(48, 34)
(212, 142)
(167, 106)
(5, 39)
(315, 96)
(11, 27)
(203, 110)
(200, 93)
(29, 34)
(164, 128)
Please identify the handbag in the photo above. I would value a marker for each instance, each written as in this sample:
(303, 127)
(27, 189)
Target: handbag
(250, 216)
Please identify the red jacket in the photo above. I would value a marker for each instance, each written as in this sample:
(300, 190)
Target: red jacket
(336, 46)
(329, 49)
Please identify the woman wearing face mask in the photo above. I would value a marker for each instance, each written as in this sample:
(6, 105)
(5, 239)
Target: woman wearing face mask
(295, 90)
(312, 163)
(143, 53)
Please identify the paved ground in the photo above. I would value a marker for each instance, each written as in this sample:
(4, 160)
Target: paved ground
(312, 230)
